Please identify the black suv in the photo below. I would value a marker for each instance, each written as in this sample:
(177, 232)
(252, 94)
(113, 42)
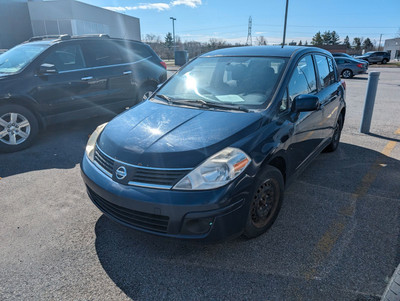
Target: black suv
(375, 57)
(56, 79)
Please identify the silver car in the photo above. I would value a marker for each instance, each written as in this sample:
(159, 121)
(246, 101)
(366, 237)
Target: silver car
(348, 67)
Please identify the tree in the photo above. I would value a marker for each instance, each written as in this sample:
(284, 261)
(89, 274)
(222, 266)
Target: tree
(261, 40)
(357, 43)
(306, 43)
(346, 42)
(169, 40)
(334, 38)
(317, 39)
(292, 43)
(326, 38)
(300, 43)
(367, 44)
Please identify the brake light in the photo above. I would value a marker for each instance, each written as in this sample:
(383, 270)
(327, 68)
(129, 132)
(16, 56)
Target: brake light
(360, 65)
(163, 64)
(343, 84)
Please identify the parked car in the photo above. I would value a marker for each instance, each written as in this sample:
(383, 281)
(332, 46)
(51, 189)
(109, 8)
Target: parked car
(375, 57)
(349, 67)
(57, 79)
(209, 154)
(341, 54)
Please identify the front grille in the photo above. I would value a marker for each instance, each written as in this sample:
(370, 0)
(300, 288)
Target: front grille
(153, 222)
(103, 161)
(141, 176)
(157, 176)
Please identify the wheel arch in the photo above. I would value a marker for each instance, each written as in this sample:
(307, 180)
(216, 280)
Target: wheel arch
(278, 162)
(27, 104)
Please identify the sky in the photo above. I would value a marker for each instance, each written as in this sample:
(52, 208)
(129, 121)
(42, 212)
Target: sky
(200, 20)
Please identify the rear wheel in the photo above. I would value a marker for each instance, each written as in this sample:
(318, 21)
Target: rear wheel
(384, 61)
(347, 73)
(18, 128)
(336, 135)
(145, 92)
(266, 201)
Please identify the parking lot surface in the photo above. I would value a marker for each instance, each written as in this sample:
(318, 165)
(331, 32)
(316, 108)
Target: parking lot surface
(336, 238)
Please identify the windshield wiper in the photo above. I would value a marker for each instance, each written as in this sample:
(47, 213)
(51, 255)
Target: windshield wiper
(207, 104)
(165, 97)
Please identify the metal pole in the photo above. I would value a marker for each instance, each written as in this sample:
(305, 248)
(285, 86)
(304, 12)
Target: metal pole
(380, 39)
(173, 32)
(369, 101)
(284, 27)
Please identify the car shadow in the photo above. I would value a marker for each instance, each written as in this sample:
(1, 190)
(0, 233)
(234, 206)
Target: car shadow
(359, 78)
(383, 137)
(59, 146)
(147, 267)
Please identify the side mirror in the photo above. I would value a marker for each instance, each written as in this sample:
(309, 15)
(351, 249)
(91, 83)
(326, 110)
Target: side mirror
(46, 69)
(305, 103)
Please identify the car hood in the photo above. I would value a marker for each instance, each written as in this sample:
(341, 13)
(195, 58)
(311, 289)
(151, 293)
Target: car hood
(160, 135)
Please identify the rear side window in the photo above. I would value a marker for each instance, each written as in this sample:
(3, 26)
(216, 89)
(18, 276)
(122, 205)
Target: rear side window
(332, 70)
(339, 62)
(326, 73)
(102, 53)
(65, 58)
(133, 52)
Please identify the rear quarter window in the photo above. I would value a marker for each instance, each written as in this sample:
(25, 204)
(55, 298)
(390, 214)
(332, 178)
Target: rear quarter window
(326, 72)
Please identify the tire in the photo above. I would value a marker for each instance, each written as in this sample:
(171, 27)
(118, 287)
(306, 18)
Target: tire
(384, 61)
(392, 291)
(336, 135)
(347, 73)
(145, 92)
(18, 128)
(268, 184)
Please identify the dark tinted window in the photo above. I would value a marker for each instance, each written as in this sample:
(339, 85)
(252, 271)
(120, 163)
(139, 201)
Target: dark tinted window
(303, 81)
(102, 53)
(340, 61)
(66, 57)
(325, 74)
(133, 52)
(332, 70)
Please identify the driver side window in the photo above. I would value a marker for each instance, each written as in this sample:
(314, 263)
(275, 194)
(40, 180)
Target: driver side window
(303, 81)
(68, 57)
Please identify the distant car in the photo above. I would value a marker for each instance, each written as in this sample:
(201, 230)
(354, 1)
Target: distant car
(375, 57)
(348, 67)
(54, 79)
(341, 54)
(209, 154)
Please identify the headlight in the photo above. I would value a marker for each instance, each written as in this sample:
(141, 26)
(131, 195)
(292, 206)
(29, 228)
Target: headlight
(92, 141)
(216, 171)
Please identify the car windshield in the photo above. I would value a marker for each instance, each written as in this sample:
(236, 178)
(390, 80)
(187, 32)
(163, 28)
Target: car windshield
(246, 82)
(15, 59)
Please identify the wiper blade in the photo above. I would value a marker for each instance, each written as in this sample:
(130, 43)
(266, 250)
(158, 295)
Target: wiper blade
(226, 106)
(164, 97)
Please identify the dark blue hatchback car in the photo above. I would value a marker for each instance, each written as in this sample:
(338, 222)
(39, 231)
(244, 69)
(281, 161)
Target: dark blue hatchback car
(209, 154)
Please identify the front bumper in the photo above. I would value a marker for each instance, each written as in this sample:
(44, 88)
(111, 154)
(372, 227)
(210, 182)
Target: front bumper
(208, 215)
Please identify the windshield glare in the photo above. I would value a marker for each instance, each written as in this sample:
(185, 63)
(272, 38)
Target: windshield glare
(15, 59)
(243, 81)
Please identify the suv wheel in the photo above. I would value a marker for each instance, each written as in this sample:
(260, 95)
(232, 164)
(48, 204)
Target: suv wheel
(18, 128)
(336, 135)
(265, 203)
(347, 73)
(145, 92)
(384, 61)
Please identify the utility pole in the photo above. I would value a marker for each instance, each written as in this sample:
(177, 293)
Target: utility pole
(173, 31)
(380, 39)
(249, 40)
(284, 27)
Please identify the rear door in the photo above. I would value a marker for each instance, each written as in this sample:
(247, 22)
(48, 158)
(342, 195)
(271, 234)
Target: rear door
(110, 73)
(329, 94)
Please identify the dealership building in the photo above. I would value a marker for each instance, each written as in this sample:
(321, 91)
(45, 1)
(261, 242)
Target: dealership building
(22, 19)
(393, 47)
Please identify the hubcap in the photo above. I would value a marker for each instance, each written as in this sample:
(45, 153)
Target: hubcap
(264, 202)
(346, 74)
(147, 94)
(14, 128)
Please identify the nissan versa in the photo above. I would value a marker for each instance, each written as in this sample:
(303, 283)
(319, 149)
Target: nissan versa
(209, 154)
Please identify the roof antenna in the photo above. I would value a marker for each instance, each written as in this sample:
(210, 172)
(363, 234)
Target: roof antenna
(284, 27)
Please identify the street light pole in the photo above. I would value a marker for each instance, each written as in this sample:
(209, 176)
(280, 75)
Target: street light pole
(284, 27)
(173, 31)
(380, 39)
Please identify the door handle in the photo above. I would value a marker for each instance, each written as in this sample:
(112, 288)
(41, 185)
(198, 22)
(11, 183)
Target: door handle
(87, 78)
(127, 72)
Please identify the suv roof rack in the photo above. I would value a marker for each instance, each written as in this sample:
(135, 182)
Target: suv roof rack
(49, 37)
(100, 35)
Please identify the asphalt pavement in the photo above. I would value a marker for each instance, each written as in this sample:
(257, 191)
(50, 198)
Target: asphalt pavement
(337, 236)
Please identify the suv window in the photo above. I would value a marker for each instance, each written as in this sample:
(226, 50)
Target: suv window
(102, 53)
(326, 76)
(133, 52)
(66, 57)
(303, 81)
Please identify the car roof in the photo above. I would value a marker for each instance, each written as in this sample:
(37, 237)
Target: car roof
(278, 51)
(52, 39)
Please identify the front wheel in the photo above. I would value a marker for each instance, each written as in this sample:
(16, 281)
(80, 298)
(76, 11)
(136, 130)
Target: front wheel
(18, 128)
(266, 201)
